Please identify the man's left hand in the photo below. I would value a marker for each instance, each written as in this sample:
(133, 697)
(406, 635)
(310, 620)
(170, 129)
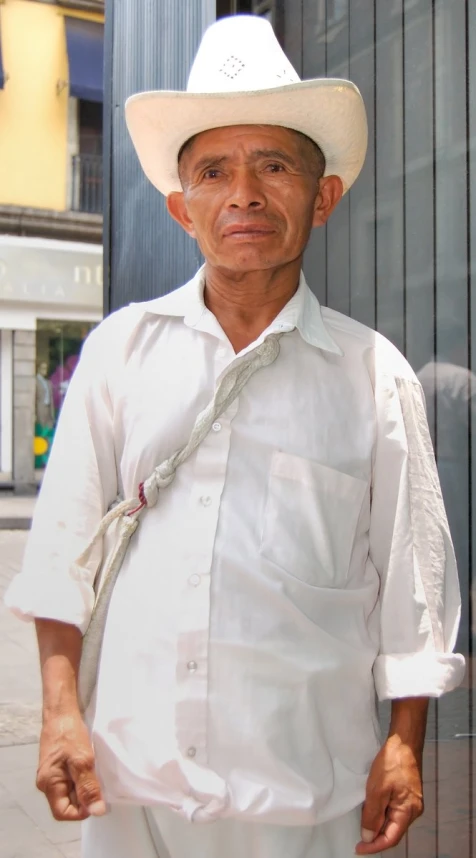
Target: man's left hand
(394, 797)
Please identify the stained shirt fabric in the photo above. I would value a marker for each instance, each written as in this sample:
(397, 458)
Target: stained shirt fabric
(299, 563)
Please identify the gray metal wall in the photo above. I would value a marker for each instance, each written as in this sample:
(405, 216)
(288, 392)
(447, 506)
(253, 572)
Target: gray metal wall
(398, 254)
(150, 44)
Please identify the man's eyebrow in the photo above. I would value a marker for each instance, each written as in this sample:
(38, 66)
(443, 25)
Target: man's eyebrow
(208, 161)
(218, 160)
(274, 153)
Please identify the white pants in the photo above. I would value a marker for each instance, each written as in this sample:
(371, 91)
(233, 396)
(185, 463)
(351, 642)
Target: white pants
(134, 832)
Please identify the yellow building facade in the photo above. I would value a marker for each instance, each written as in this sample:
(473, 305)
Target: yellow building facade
(50, 217)
(34, 104)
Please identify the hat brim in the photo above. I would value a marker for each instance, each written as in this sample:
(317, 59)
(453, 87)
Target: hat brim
(329, 111)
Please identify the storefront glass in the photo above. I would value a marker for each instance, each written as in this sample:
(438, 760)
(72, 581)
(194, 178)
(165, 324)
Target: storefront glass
(58, 345)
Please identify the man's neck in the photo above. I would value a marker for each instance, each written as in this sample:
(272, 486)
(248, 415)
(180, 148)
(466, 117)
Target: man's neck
(246, 303)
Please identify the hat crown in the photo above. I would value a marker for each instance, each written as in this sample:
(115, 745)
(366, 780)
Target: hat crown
(240, 54)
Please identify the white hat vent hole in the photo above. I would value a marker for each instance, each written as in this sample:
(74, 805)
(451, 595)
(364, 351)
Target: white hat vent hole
(232, 67)
(284, 75)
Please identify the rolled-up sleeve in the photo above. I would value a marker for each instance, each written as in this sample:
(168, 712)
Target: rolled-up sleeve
(411, 548)
(79, 484)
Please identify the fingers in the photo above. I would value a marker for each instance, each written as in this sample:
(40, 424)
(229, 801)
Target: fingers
(72, 789)
(87, 787)
(61, 798)
(66, 771)
(374, 814)
(389, 836)
(386, 840)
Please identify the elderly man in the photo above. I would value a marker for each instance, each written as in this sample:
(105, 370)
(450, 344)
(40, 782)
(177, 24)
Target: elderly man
(290, 562)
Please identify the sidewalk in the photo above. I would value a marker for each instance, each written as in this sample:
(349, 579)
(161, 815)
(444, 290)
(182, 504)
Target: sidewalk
(27, 829)
(15, 512)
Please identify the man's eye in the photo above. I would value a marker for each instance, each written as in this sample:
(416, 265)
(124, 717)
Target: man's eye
(275, 168)
(211, 174)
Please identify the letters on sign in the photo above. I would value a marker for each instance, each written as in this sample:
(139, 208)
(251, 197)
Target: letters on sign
(48, 275)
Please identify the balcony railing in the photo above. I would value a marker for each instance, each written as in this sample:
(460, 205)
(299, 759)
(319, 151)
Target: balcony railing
(87, 184)
(83, 5)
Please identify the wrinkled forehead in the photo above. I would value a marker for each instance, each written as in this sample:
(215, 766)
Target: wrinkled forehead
(253, 135)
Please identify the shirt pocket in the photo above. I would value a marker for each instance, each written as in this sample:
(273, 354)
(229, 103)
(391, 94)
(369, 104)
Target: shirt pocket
(310, 519)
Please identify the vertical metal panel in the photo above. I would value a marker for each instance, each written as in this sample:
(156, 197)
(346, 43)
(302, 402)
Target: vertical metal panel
(338, 228)
(314, 39)
(292, 19)
(452, 435)
(418, 123)
(471, 154)
(107, 150)
(411, 259)
(451, 259)
(389, 171)
(314, 64)
(153, 48)
(362, 197)
(419, 220)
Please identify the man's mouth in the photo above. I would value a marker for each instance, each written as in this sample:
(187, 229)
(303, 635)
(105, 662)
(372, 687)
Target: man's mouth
(249, 230)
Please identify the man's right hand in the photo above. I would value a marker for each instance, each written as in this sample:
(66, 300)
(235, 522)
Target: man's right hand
(66, 769)
(66, 772)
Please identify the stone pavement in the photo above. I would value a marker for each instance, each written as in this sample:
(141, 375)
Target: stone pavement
(27, 829)
(15, 512)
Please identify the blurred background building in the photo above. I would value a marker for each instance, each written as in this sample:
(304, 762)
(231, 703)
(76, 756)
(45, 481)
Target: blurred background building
(51, 93)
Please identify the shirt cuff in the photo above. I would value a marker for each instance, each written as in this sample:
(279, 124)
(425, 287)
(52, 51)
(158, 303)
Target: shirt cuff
(420, 674)
(54, 596)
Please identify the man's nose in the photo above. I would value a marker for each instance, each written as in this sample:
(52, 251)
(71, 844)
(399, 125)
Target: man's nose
(246, 192)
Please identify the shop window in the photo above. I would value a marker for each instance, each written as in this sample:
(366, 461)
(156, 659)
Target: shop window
(58, 346)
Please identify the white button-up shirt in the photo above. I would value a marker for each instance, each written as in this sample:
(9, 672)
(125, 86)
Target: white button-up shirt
(299, 561)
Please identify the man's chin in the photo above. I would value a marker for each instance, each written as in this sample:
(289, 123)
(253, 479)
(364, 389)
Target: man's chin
(242, 263)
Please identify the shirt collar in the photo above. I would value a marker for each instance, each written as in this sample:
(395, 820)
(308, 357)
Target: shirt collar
(302, 311)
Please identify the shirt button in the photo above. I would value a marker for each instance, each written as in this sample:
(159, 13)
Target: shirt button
(194, 580)
(205, 500)
(192, 666)
(191, 752)
(216, 427)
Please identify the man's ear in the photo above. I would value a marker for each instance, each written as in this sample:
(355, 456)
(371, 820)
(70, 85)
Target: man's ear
(178, 210)
(330, 194)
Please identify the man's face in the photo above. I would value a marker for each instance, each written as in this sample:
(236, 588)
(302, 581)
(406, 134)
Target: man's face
(250, 195)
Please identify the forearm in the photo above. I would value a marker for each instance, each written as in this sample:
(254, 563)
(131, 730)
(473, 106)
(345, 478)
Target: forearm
(60, 652)
(408, 723)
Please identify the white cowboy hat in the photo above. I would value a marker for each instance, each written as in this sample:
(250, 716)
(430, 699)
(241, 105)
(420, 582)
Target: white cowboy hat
(241, 76)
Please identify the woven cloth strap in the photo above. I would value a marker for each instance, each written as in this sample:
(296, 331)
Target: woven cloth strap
(129, 511)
